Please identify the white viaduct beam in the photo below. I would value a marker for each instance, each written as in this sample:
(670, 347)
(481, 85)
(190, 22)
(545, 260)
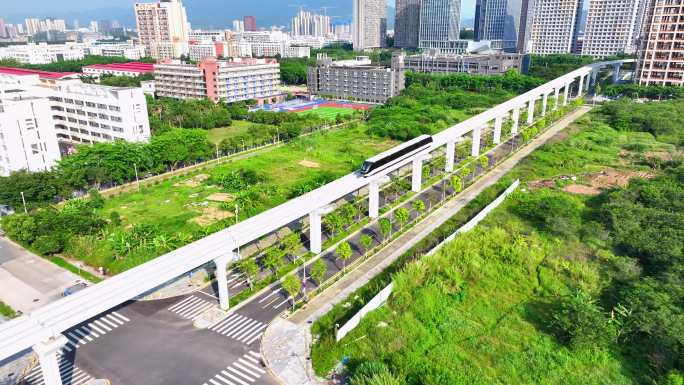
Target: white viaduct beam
(46, 323)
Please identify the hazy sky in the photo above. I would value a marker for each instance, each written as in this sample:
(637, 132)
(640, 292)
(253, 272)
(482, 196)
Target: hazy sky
(24, 7)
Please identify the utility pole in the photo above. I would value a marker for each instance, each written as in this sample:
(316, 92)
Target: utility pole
(137, 181)
(24, 201)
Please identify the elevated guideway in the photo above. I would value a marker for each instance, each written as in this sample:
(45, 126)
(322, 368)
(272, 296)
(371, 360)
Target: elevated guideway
(42, 328)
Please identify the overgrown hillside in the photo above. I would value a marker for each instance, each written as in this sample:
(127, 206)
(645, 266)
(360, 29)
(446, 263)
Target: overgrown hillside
(577, 279)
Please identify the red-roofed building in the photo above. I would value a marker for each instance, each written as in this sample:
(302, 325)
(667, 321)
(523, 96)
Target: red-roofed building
(120, 69)
(41, 74)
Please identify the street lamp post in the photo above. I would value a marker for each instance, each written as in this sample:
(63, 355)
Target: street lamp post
(137, 181)
(24, 201)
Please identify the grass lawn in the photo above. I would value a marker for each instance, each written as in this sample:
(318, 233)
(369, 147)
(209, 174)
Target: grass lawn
(478, 312)
(328, 112)
(239, 127)
(179, 208)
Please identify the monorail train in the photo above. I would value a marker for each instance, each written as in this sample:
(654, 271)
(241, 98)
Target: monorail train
(390, 157)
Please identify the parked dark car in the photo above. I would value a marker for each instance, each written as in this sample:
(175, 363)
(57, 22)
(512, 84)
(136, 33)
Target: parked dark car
(5, 210)
(74, 289)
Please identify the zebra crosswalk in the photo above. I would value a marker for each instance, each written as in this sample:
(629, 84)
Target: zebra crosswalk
(191, 307)
(240, 328)
(246, 370)
(92, 330)
(71, 375)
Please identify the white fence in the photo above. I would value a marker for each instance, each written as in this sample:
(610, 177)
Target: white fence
(384, 294)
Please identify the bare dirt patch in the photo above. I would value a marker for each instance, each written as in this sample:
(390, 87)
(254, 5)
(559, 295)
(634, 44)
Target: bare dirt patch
(662, 155)
(606, 179)
(220, 197)
(543, 183)
(581, 189)
(211, 215)
(309, 164)
(195, 181)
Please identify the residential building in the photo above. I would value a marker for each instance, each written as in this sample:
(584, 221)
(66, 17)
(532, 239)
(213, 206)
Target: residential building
(407, 23)
(553, 26)
(32, 26)
(480, 64)
(440, 25)
(356, 80)
(230, 81)
(200, 35)
(296, 51)
(128, 50)
(343, 32)
(612, 27)
(503, 20)
(27, 137)
(238, 26)
(369, 27)
(250, 24)
(3, 28)
(163, 28)
(310, 24)
(661, 53)
(119, 69)
(200, 50)
(43, 53)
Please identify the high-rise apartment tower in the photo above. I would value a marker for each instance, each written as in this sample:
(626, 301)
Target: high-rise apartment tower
(661, 53)
(553, 25)
(163, 28)
(612, 27)
(369, 26)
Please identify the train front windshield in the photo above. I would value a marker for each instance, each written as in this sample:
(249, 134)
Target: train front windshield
(366, 167)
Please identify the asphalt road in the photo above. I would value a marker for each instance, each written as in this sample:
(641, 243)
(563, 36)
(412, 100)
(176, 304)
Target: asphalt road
(28, 281)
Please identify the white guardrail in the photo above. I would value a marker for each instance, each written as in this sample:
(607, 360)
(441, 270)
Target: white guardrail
(384, 294)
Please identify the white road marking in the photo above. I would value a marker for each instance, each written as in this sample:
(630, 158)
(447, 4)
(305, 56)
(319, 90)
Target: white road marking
(272, 293)
(256, 337)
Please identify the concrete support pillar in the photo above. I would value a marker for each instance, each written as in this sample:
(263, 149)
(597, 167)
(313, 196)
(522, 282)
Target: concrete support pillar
(566, 93)
(530, 111)
(477, 132)
(587, 82)
(222, 279)
(450, 155)
(315, 233)
(594, 78)
(47, 357)
(545, 102)
(616, 72)
(374, 196)
(516, 121)
(417, 175)
(580, 89)
(497, 129)
(556, 91)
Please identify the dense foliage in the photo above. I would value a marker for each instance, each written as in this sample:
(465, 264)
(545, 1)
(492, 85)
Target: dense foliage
(72, 65)
(120, 81)
(632, 90)
(549, 67)
(431, 103)
(664, 120)
(553, 287)
(202, 113)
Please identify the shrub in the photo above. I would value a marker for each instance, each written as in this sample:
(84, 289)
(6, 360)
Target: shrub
(580, 322)
(48, 244)
(554, 212)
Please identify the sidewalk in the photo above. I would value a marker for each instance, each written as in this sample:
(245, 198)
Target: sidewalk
(286, 342)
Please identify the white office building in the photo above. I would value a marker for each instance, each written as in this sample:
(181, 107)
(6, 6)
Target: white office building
(553, 26)
(369, 26)
(504, 20)
(613, 27)
(43, 53)
(47, 113)
(128, 50)
(311, 24)
(27, 137)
